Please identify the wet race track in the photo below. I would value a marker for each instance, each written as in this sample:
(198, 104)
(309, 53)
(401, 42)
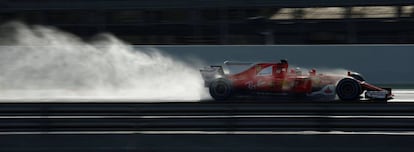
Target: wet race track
(400, 95)
(403, 95)
(139, 125)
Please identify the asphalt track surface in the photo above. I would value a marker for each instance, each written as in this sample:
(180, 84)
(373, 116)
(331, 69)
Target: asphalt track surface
(396, 133)
(400, 95)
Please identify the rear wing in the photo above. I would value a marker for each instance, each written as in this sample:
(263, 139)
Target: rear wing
(210, 73)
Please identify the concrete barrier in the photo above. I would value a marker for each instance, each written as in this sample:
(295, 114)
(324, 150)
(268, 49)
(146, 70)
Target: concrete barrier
(378, 63)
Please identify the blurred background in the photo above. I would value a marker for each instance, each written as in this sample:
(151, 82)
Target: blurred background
(224, 22)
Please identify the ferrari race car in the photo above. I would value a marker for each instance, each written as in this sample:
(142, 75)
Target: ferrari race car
(276, 79)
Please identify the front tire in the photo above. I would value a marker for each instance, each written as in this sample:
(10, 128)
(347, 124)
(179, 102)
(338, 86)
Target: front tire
(221, 89)
(348, 89)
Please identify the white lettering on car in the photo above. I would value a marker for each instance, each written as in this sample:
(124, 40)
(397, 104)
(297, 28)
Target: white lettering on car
(250, 85)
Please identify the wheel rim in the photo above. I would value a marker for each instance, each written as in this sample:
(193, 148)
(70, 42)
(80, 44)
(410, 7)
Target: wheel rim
(348, 89)
(220, 89)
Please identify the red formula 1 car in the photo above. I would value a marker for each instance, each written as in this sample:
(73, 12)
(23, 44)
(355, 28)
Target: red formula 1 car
(277, 79)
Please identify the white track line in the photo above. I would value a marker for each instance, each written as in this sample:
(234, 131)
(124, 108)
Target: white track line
(398, 133)
(216, 116)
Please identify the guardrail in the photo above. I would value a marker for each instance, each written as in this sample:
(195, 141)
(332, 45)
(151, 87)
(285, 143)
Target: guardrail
(207, 116)
(94, 4)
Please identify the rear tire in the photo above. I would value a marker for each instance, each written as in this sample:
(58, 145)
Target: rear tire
(348, 89)
(221, 89)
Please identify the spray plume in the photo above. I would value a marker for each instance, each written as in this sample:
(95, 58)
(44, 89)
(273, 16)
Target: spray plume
(44, 62)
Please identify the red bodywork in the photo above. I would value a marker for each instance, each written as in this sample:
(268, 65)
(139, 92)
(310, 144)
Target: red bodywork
(277, 78)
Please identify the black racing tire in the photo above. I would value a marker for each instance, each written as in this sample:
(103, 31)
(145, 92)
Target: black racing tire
(348, 89)
(221, 89)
